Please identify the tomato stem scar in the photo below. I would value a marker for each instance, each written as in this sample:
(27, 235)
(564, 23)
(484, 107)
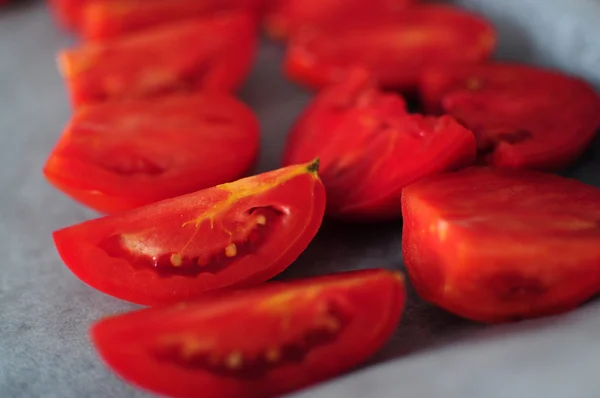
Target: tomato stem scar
(313, 166)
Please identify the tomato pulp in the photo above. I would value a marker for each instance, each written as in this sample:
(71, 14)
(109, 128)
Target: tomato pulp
(117, 156)
(261, 342)
(496, 245)
(370, 148)
(209, 53)
(232, 235)
(522, 116)
(396, 49)
(105, 19)
(286, 17)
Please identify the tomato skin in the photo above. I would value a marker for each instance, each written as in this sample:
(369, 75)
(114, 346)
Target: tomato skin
(499, 245)
(106, 19)
(233, 235)
(370, 148)
(159, 61)
(396, 50)
(247, 325)
(117, 156)
(287, 17)
(522, 116)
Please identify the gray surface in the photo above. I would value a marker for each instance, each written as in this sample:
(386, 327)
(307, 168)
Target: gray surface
(45, 311)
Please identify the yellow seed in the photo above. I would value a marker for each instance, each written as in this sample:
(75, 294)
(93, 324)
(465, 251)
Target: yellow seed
(190, 350)
(235, 360)
(176, 260)
(273, 355)
(261, 220)
(231, 250)
(331, 324)
(474, 83)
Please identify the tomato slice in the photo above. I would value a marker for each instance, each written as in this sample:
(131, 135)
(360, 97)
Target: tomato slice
(522, 116)
(117, 156)
(370, 148)
(497, 245)
(201, 53)
(261, 342)
(104, 19)
(235, 234)
(286, 17)
(396, 49)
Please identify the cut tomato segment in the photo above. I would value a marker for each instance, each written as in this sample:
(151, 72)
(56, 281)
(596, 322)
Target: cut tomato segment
(286, 17)
(117, 156)
(104, 19)
(522, 116)
(396, 49)
(497, 245)
(370, 148)
(212, 53)
(261, 342)
(235, 234)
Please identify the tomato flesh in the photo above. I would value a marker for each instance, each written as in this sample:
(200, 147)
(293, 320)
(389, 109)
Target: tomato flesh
(522, 116)
(396, 49)
(235, 234)
(497, 245)
(105, 19)
(117, 156)
(261, 342)
(210, 53)
(286, 17)
(370, 148)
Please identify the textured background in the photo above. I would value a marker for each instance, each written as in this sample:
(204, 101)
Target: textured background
(45, 311)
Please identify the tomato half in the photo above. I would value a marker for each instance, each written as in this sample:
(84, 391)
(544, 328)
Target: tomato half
(261, 342)
(396, 49)
(497, 245)
(117, 156)
(232, 235)
(202, 53)
(370, 148)
(104, 19)
(522, 116)
(286, 17)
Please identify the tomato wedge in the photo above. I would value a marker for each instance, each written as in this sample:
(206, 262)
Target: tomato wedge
(497, 245)
(261, 342)
(105, 19)
(522, 116)
(117, 156)
(286, 17)
(201, 53)
(370, 148)
(395, 49)
(232, 235)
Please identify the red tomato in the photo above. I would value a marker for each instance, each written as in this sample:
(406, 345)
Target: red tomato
(201, 53)
(370, 148)
(235, 234)
(286, 17)
(68, 12)
(102, 19)
(497, 245)
(118, 156)
(396, 49)
(261, 342)
(522, 116)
